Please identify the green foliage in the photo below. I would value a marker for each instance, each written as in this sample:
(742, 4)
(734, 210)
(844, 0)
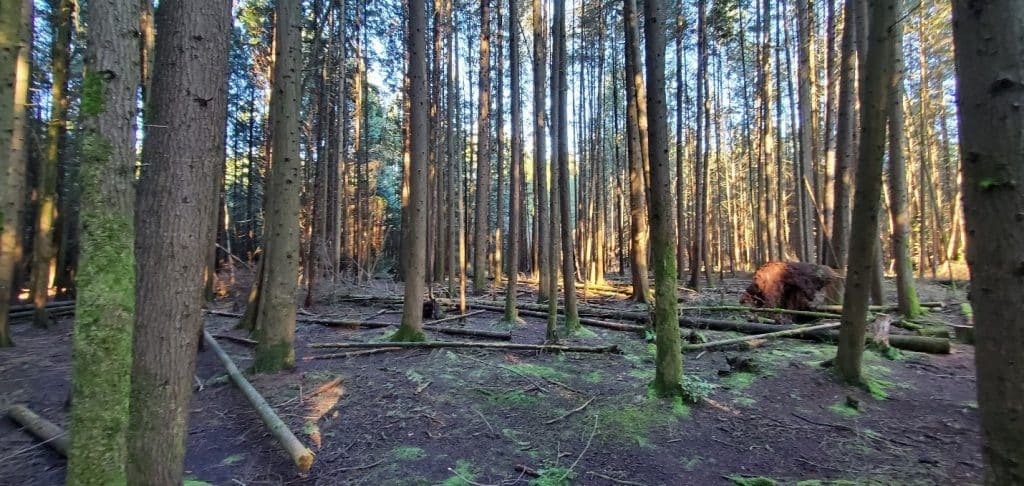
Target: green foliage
(540, 371)
(739, 381)
(464, 471)
(406, 334)
(843, 409)
(696, 389)
(407, 453)
(232, 459)
(415, 377)
(592, 377)
(196, 482)
(553, 476)
(92, 97)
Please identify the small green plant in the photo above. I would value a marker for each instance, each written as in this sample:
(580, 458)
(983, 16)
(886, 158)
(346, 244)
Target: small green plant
(695, 389)
(844, 410)
(553, 476)
(464, 473)
(408, 453)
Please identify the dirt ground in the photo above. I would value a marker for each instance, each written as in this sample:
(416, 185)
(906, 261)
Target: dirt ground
(466, 416)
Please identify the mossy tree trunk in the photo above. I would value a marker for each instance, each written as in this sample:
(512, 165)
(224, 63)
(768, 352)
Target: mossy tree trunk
(105, 282)
(668, 359)
(867, 198)
(43, 250)
(418, 95)
(275, 314)
(15, 53)
(989, 41)
(173, 234)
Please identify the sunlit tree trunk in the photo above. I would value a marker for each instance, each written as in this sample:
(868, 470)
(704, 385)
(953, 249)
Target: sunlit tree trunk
(483, 155)
(867, 198)
(540, 179)
(105, 303)
(418, 94)
(559, 91)
(635, 139)
(173, 235)
(515, 169)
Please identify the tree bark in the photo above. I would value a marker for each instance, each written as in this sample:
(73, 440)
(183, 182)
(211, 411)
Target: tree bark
(175, 204)
(515, 175)
(559, 90)
(635, 139)
(845, 148)
(873, 99)
(15, 56)
(906, 293)
(989, 41)
(669, 359)
(483, 154)
(540, 178)
(275, 318)
(43, 250)
(102, 341)
(418, 95)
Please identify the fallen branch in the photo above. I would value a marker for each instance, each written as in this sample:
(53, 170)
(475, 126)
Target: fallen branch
(909, 343)
(351, 354)
(240, 340)
(584, 451)
(783, 333)
(380, 325)
(583, 320)
(570, 412)
(616, 481)
(453, 318)
(878, 308)
(527, 470)
(46, 431)
(300, 454)
(457, 344)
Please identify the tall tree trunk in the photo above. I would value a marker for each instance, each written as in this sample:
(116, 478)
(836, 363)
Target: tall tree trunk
(635, 139)
(43, 251)
(560, 124)
(499, 150)
(104, 311)
(170, 247)
(807, 105)
(867, 199)
(515, 174)
(699, 243)
(906, 293)
(418, 94)
(989, 42)
(483, 154)
(668, 360)
(275, 323)
(15, 59)
(540, 179)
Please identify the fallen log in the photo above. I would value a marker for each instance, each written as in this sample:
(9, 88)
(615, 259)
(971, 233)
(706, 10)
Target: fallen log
(763, 310)
(239, 340)
(351, 353)
(379, 325)
(909, 343)
(456, 344)
(300, 454)
(51, 311)
(453, 318)
(46, 431)
(49, 305)
(583, 320)
(783, 333)
(878, 308)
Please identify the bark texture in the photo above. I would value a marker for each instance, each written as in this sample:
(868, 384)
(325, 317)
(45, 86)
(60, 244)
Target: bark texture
(989, 41)
(173, 234)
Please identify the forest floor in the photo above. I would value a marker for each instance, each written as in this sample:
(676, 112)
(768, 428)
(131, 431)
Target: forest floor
(469, 416)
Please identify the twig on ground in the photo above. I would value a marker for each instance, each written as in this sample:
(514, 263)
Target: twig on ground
(322, 388)
(357, 468)
(351, 353)
(488, 424)
(616, 481)
(570, 412)
(467, 480)
(821, 466)
(584, 451)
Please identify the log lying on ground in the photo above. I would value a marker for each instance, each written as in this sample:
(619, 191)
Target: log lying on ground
(763, 310)
(379, 325)
(587, 321)
(909, 343)
(43, 429)
(770, 335)
(53, 311)
(476, 345)
(300, 454)
(879, 308)
(49, 305)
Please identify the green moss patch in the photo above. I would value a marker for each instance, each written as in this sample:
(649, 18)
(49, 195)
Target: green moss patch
(464, 472)
(407, 453)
